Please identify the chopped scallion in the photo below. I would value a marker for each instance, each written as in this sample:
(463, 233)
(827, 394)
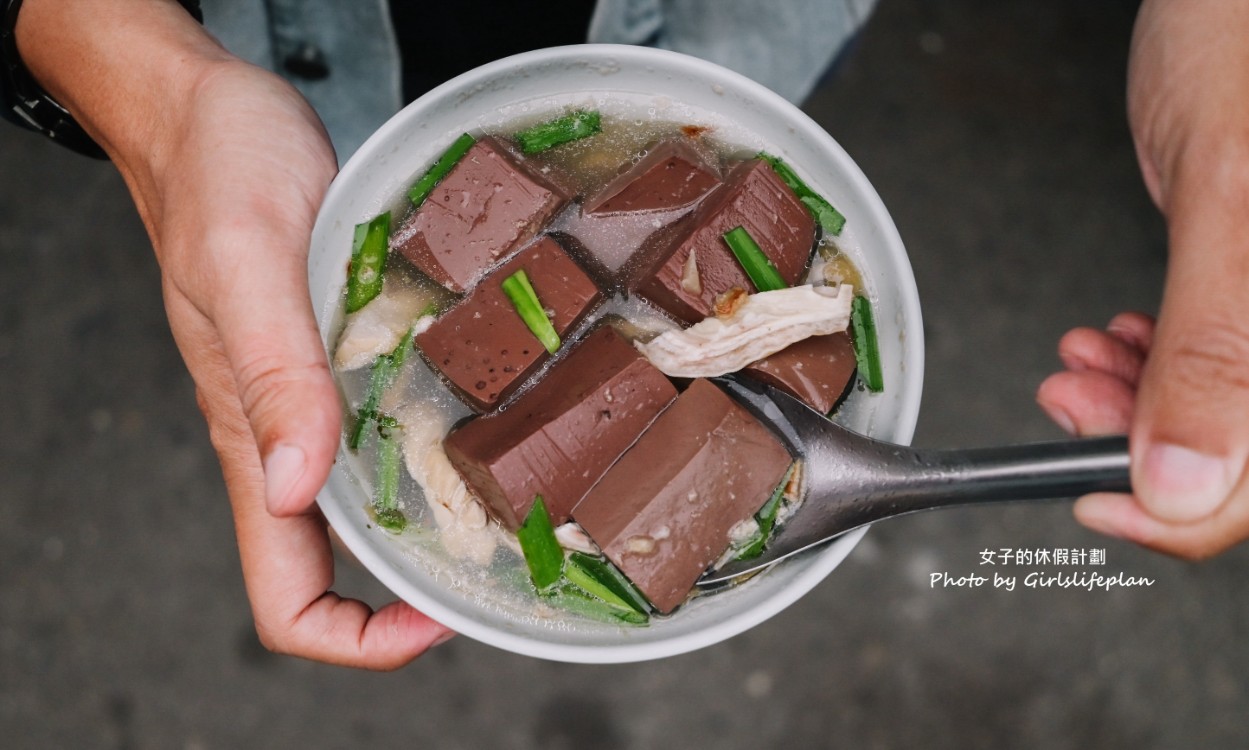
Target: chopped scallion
(762, 273)
(570, 127)
(866, 350)
(766, 519)
(385, 368)
(525, 300)
(386, 494)
(828, 217)
(573, 599)
(602, 579)
(369, 247)
(542, 552)
(424, 186)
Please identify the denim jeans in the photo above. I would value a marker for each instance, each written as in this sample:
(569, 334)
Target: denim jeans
(784, 44)
(353, 38)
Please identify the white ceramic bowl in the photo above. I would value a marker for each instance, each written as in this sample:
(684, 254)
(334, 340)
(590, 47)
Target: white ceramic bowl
(671, 86)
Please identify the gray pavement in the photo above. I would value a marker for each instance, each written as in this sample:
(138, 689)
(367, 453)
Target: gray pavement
(994, 132)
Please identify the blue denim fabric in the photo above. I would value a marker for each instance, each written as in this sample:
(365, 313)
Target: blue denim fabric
(355, 37)
(784, 44)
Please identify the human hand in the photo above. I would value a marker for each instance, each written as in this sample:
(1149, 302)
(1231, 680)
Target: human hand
(1180, 388)
(237, 202)
(228, 168)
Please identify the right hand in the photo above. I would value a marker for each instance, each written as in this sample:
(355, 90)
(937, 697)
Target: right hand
(1178, 385)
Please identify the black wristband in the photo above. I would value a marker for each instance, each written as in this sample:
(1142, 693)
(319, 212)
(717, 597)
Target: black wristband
(23, 100)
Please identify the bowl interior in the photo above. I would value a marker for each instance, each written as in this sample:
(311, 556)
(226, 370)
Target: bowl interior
(647, 83)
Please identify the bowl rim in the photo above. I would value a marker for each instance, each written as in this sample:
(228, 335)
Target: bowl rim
(819, 563)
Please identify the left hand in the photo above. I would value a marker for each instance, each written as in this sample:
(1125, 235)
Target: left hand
(227, 165)
(236, 198)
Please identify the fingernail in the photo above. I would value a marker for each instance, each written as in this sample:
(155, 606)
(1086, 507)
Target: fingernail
(442, 639)
(284, 466)
(1061, 418)
(1072, 362)
(1181, 484)
(1102, 514)
(1125, 334)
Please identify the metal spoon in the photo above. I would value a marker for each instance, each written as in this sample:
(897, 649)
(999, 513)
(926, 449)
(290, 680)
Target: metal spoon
(852, 480)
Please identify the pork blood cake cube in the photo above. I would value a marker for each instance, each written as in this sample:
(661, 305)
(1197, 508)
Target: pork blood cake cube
(559, 437)
(671, 175)
(491, 203)
(482, 346)
(663, 512)
(752, 197)
(815, 370)
(617, 218)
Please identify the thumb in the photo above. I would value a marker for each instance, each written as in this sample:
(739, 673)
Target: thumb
(1190, 436)
(269, 334)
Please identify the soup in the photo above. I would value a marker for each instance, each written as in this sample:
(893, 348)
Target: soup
(536, 346)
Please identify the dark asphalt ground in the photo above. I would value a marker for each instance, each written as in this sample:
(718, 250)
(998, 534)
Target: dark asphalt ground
(994, 132)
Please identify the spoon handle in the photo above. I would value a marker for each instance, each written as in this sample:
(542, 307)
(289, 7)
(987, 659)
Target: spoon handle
(931, 479)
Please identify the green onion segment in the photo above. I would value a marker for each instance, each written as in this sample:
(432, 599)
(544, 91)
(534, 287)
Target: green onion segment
(424, 186)
(525, 300)
(762, 273)
(368, 261)
(866, 351)
(543, 554)
(385, 368)
(766, 518)
(573, 599)
(599, 577)
(828, 217)
(570, 127)
(386, 494)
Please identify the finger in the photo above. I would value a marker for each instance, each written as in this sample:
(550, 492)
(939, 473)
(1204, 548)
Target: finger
(1087, 402)
(289, 569)
(269, 337)
(1122, 516)
(288, 562)
(1190, 440)
(1133, 328)
(273, 362)
(240, 256)
(1090, 349)
(348, 633)
(261, 311)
